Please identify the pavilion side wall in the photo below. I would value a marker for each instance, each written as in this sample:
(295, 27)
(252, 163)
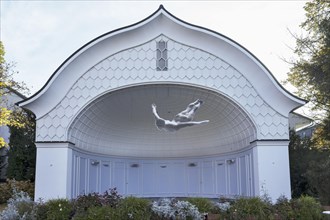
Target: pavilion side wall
(64, 172)
(53, 171)
(271, 168)
(209, 176)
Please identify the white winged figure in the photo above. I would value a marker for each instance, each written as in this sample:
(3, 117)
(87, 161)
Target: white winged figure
(181, 120)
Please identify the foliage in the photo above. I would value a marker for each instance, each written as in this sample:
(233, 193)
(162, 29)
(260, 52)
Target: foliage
(134, 208)
(321, 135)
(310, 72)
(163, 208)
(5, 192)
(283, 208)
(300, 153)
(8, 85)
(40, 210)
(7, 189)
(174, 209)
(203, 205)
(127, 208)
(22, 152)
(2, 207)
(318, 174)
(309, 169)
(7, 119)
(223, 208)
(306, 208)
(99, 213)
(20, 206)
(111, 198)
(84, 202)
(254, 207)
(59, 209)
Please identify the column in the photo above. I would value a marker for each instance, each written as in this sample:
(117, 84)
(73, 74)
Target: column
(271, 168)
(53, 170)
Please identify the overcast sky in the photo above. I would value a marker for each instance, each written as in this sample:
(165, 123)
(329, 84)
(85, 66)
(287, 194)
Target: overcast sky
(40, 35)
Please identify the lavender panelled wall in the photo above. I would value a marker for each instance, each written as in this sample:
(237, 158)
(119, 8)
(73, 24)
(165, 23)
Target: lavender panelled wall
(211, 177)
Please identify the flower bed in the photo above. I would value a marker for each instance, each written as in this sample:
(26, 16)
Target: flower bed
(111, 205)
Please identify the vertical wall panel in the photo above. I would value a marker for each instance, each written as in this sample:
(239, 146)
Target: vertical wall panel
(243, 175)
(193, 180)
(178, 179)
(119, 180)
(133, 178)
(82, 176)
(221, 181)
(250, 175)
(93, 177)
(232, 176)
(149, 179)
(164, 178)
(208, 178)
(105, 176)
(75, 174)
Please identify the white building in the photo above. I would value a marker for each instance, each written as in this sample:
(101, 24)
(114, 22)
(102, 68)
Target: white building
(95, 128)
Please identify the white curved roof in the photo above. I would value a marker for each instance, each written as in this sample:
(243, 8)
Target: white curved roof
(161, 22)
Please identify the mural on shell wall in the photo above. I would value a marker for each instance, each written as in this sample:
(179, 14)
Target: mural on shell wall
(181, 120)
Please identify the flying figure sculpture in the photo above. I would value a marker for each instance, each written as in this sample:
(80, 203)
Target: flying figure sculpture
(181, 120)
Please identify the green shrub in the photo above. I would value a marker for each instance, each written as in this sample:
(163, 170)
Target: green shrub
(111, 198)
(128, 208)
(25, 186)
(254, 207)
(99, 213)
(204, 205)
(222, 207)
(306, 208)
(5, 192)
(26, 209)
(167, 209)
(40, 211)
(59, 209)
(134, 208)
(7, 188)
(82, 203)
(20, 206)
(283, 208)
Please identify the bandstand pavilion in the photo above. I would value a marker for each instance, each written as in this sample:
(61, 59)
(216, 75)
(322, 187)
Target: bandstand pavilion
(95, 128)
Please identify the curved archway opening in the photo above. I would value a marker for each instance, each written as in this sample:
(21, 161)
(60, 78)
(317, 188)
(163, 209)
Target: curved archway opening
(121, 123)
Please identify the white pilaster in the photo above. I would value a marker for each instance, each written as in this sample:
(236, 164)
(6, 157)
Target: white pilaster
(271, 168)
(53, 171)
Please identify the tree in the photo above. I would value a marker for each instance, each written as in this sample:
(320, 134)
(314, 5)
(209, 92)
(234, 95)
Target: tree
(22, 151)
(300, 153)
(7, 85)
(309, 169)
(310, 73)
(318, 175)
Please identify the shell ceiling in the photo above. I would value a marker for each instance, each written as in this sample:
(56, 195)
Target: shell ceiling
(121, 123)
